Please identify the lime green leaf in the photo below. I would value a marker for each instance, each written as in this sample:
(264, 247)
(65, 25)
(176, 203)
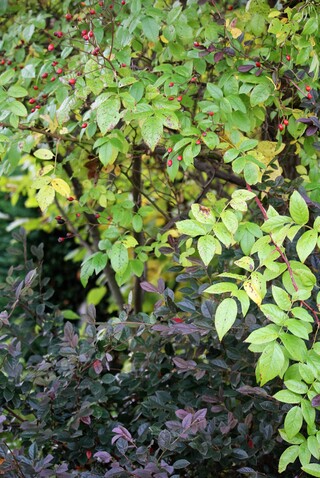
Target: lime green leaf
(206, 248)
(222, 288)
(230, 220)
(263, 335)
(43, 154)
(225, 316)
(293, 421)
(119, 257)
(308, 412)
(313, 447)
(259, 94)
(203, 214)
(306, 244)
(137, 223)
(17, 91)
(108, 115)
(246, 263)
(312, 469)
(17, 108)
(270, 362)
(281, 297)
(61, 187)
(296, 386)
(222, 234)
(244, 301)
(45, 197)
(191, 228)
(295, 346)
(298, 208)
(150, 28)
(96, 295)
(87, 270)
(152, 130)
(288, 456)
(286, 396)
(6, 77)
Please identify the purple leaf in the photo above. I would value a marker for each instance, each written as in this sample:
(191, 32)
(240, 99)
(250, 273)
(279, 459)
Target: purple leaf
(86, 420)
(315, 402)
(218, 56)
(311, 130)
(305, 120)
(148, 287)
(102, 456)
(245, 68)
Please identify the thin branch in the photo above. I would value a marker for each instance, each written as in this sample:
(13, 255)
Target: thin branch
(44, 132)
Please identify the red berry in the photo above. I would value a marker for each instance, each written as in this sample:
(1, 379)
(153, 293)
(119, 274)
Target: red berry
(309, 96)
(33, 110)
(285, 122)
(57, 218)
(90, 34)
(78, 214)
(38, 107)
(280, 127)
(70, 198)
(9, 62)
(36, 87)
(53, 78)
(204, 134)
(308, 88)
(171, 98)
(69, 234)
(51, 47)
(230, 8)
(288, 57)
(258, 64)
(85, 37)
(123, 65)
(177, 320)
(196, 44)
(54, 63)
(123, 2)
(72, 81)
(84, 125)
(97, 215)
(44, 96)
(179, 98)
(171, 84)
(32, 101)
(58, 34)
(88, 454)
(111, 7)
(198, 141)
(95, 52)
(3, 62)
(101, 4)
(193, 79)
(169, 150)
(211, 113)
(59, 71)
(179, 158)
(61, 239)
(169, 163)
(92, 11)
(84, 32)
(68, 17)
(44, 75)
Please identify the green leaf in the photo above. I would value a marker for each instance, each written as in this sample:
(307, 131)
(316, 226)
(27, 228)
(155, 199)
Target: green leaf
(191, 228)
(45, 197)
(214, 91)
(99, 261)
(298, 328)
(222, 234)
(288, 456)
(293, 421)
(306, 244)
(108, 115)
(251, 173)
(61, 187)
(295, 346)
(119, 257)
(286, 396)
(270, 362)
(42, 153)
(263, 335)
(206, 248)
(298, 209)
(6, 77)
(222, 288)
(308, 412)
(225, 316)
(246, 263)
(150, 28)
(17, 108)
(152, 131)
(259, 94)
(203, 214)
(230, 220)
(137, 223)
(281, 297)
(87, 270)
(296, 386)
(211, 140)
(312, 469)
(17, 91)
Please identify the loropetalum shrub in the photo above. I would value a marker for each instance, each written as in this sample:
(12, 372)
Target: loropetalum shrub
(119, 120)
(182, 403)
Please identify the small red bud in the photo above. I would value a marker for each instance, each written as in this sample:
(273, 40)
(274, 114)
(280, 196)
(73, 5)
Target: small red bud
(90, 34)
(33, 110)
(309, 96)
(53, 78)
(51, 47)
(84, 32)
(285, 122)
(70, 198)
(169, 163)
(288, 57)
(84, 125)
(193, 79)
(258, 64)
(171, 84)
(92, 11)
(61, 239)
(179, 158)
(177, 320)
(85, 37)
(36, 87)
(72, 81)
(44, 75)
(32, 101)
(59, 71)
(196, 44)
(308, 88)
(179, 98)
(211, 113)
(88, 454)
(280, 127)
(204, 134)
(169, 150)
(198, 141)
(38, 107)
(97, 215)
(54, 63)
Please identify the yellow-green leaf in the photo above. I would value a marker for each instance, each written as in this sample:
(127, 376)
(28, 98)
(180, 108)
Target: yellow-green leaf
(61, 187)
(45, 197)
(43, 153)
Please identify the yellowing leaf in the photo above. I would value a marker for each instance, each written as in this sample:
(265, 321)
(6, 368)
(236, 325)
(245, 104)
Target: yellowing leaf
(45, 170)
(61, 187)
(254, 288)
(43, 154)
(45, 197)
